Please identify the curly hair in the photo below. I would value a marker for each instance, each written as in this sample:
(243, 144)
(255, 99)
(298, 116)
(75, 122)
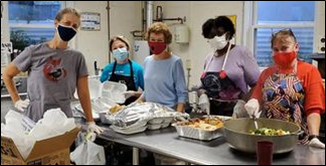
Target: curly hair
(160, 27)
(207, 27)
(221, 21)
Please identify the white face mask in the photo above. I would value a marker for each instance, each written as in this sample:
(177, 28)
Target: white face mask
(218, 42)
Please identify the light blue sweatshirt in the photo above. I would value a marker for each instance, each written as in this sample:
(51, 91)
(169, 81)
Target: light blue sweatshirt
(165, 81)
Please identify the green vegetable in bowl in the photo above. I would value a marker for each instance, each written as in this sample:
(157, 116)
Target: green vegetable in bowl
(269, 132)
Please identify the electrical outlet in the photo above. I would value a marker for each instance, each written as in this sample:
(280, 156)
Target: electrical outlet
(321, 44)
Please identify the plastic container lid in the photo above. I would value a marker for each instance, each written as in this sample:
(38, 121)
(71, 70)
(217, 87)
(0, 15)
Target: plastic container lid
(114, 91)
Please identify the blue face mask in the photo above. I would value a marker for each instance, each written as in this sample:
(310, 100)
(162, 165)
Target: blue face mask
(121, 54)
(66, 33)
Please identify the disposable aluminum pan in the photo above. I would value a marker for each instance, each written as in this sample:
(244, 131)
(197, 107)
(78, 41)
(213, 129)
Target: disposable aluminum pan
(129, 131)
(158, 126)
(136, 128)
(198, 134)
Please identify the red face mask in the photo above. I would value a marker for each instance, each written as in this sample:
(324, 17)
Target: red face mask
(157, 47)
(284, 59)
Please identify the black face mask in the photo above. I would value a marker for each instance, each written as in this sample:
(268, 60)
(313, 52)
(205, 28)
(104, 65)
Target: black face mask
(66, 33)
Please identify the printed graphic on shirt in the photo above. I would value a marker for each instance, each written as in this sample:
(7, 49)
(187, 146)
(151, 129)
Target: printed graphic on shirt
(53, 70)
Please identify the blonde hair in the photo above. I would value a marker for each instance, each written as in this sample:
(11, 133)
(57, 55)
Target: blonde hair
(121, 38)
(283, 35)
(160, 27)
(64, 11)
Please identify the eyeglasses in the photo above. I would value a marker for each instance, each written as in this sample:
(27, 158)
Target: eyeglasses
(287, 31)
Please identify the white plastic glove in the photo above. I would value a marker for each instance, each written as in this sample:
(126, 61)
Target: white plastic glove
(315, 142)
(22, 105)
(92, 127)
(204, 104)
(252, 108)
(239, 111)
(130, 93)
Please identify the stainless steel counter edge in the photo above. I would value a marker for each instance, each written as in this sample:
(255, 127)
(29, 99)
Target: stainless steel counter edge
(216, 152)
(156, 150)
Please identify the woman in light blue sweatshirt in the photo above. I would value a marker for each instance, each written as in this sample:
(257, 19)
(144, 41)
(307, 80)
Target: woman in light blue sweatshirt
(164, 75)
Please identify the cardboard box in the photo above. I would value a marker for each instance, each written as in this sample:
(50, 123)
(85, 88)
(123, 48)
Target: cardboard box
(53, 151)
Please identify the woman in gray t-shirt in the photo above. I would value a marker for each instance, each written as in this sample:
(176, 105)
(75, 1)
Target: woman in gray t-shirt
(54, 72)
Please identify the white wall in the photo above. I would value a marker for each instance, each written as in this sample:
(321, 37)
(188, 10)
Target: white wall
(197, 12)
(4, 25)
(320, 23)
(93, 44)
(125, 16)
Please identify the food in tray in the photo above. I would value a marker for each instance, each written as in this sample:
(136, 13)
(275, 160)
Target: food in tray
(116, 108)
(269, 132)
(204, 123)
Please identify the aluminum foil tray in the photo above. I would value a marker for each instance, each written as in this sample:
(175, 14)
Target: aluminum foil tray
(199, 134)
(196, 133)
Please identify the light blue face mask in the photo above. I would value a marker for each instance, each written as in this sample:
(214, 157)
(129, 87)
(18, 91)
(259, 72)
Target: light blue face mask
(121, 54)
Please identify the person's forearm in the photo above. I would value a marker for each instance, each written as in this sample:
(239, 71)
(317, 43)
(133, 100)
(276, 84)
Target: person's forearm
(247, 96)
(138, 94)
(313, 121)
(140, 99)
(86, 105)
(181, 107)
(84, 98)
(9, 73)
(11, 88)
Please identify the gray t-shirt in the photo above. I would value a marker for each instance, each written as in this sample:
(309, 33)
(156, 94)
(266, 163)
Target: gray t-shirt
(241, 67)
(52, 77)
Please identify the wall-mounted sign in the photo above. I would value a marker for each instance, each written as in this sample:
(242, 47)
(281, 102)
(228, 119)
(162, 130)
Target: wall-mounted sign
(6, 47)
(90, 21)
(6, 50)
(233, 18)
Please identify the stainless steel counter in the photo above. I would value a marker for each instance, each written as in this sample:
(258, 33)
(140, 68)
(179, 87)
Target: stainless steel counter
(216, 152)
(167, 142)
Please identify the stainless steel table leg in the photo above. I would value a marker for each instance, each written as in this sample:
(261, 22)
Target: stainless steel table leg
(135, 156)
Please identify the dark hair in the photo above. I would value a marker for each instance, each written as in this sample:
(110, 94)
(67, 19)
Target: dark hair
(221, 21)
(207, 27)
(283, 35)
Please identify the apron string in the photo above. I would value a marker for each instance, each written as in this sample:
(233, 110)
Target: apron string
(226, 56)
(224, 62)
